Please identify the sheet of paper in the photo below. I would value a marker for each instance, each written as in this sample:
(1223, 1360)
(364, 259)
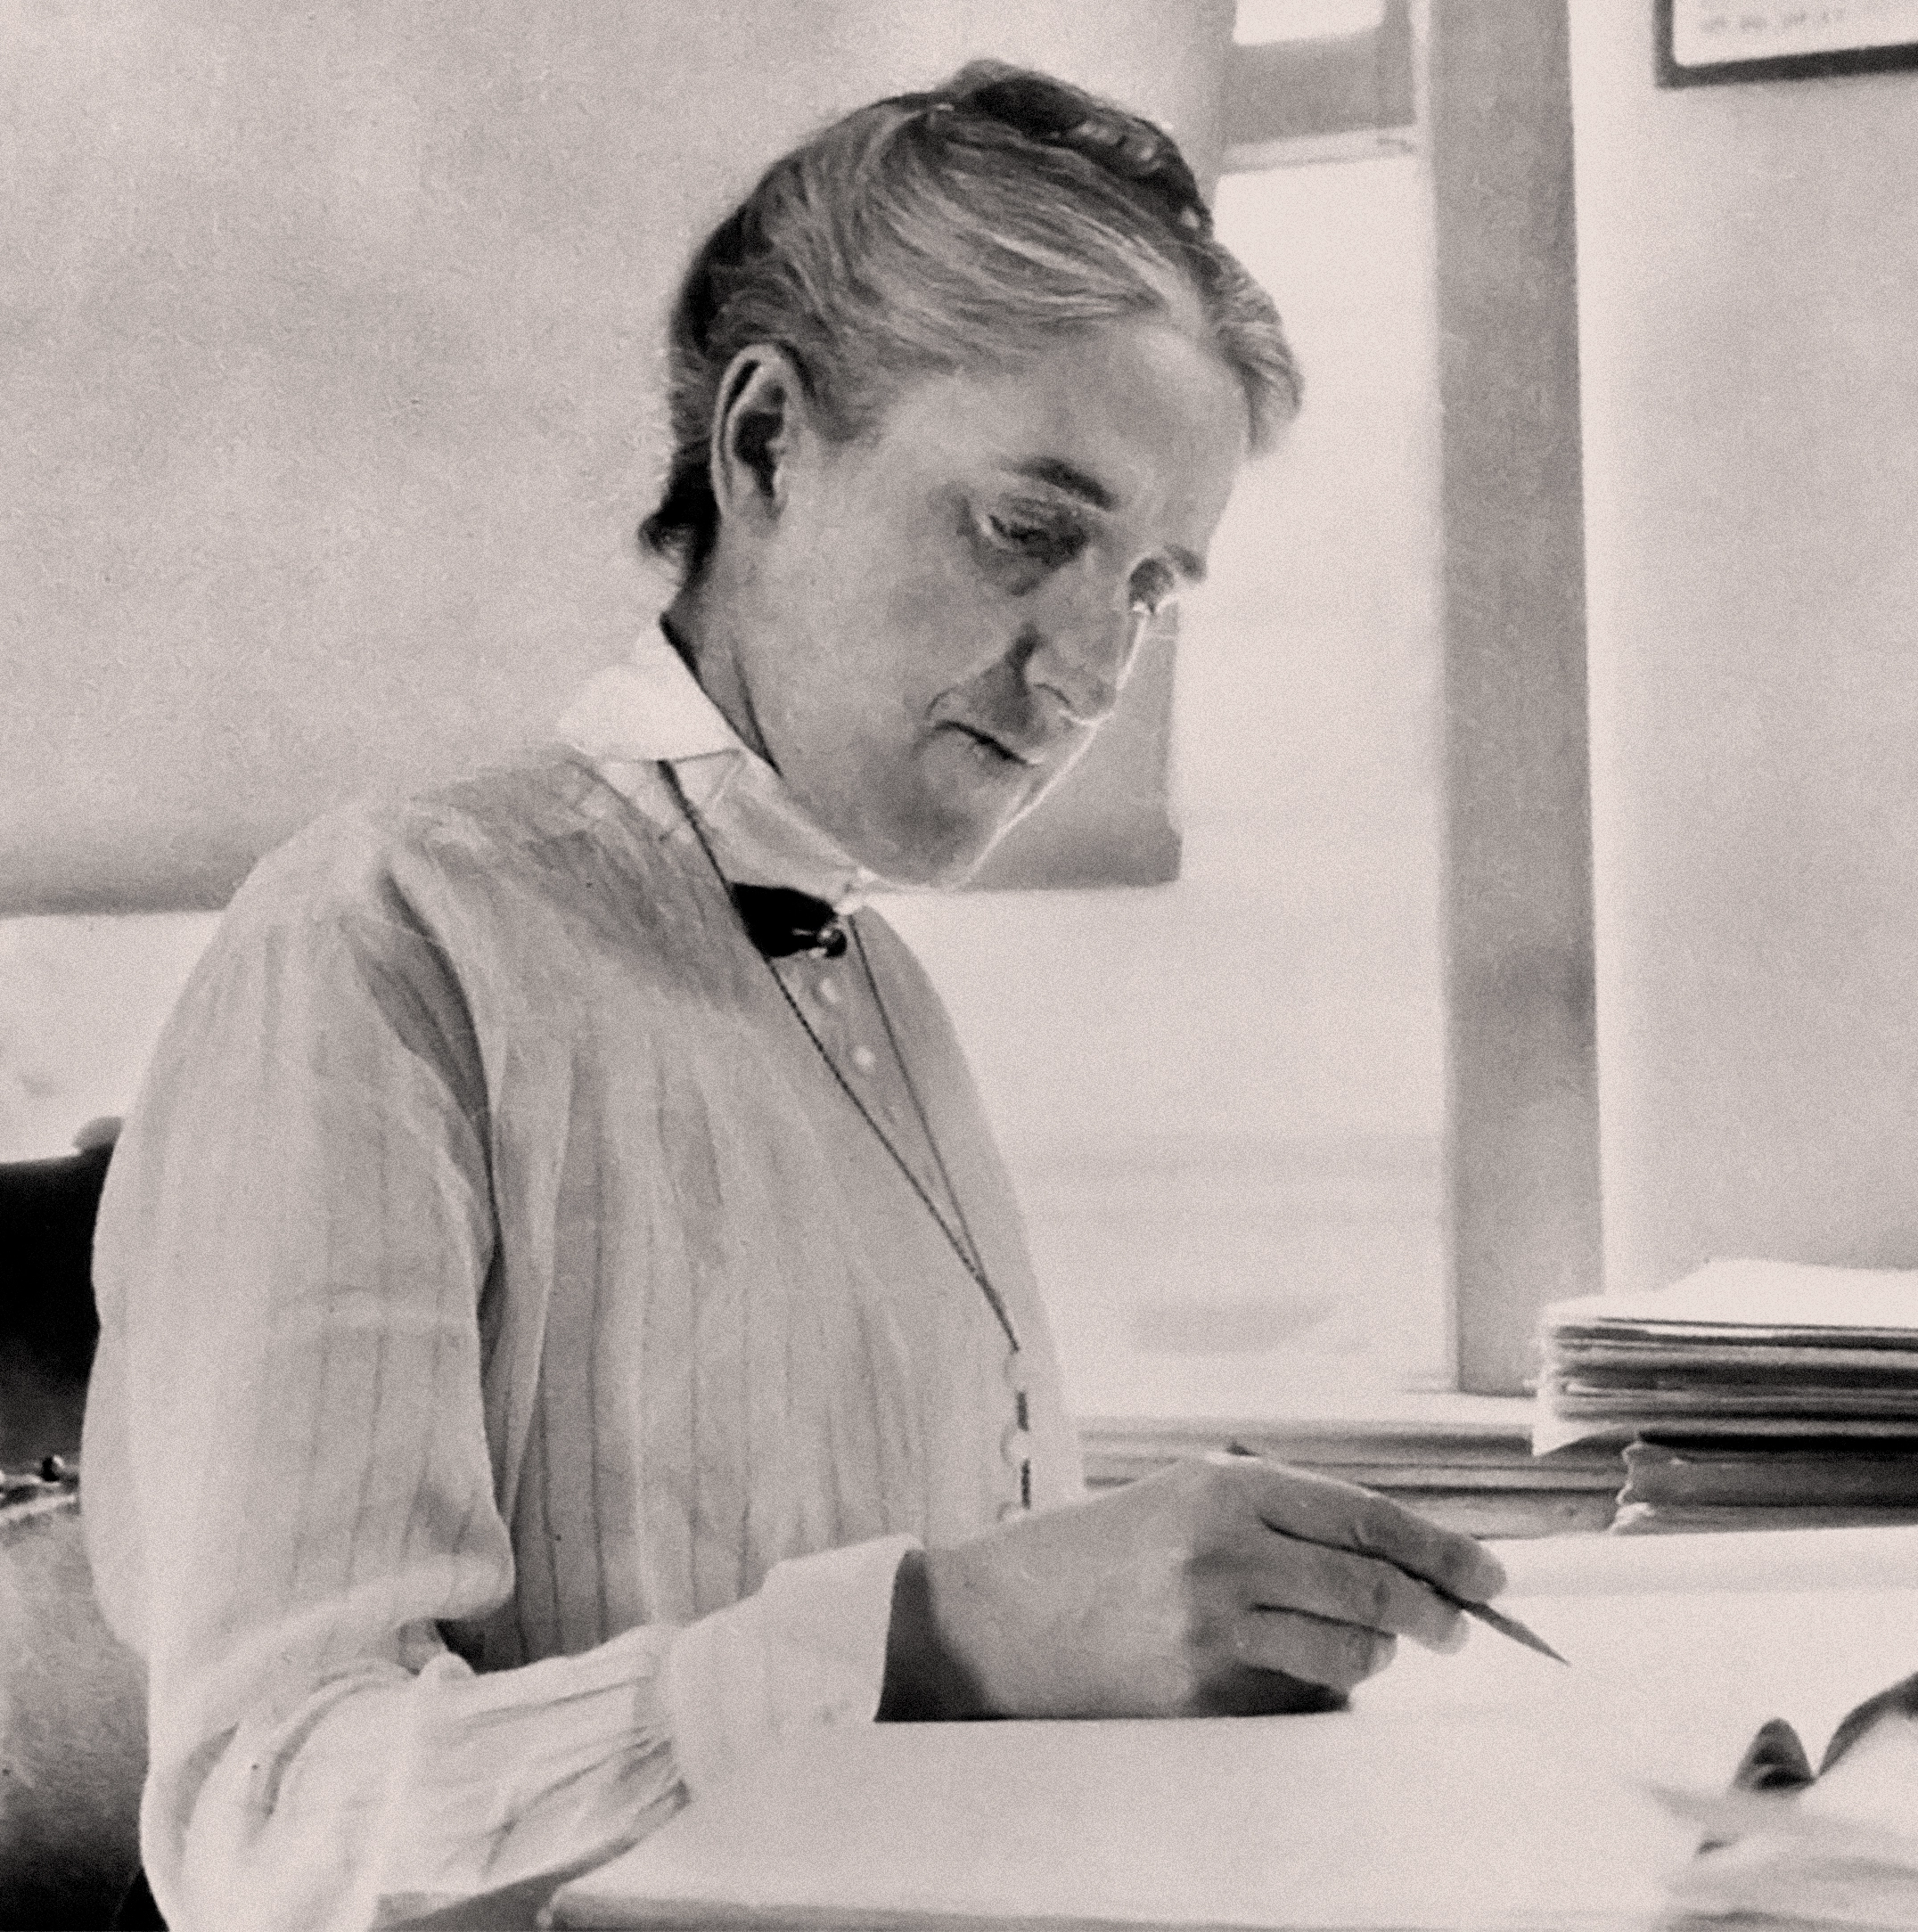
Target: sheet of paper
(1408, 1819)
(1493, 1790)
(1767, 1294)
(1666, 1688)
(1773, 1560)
(1843, 1855)
(1677, 1641)
(1490, 1790)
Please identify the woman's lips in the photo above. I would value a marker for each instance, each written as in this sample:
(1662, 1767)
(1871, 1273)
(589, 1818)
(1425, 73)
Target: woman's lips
(987, 742)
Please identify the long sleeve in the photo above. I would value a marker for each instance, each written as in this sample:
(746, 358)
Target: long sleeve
(291, 1495)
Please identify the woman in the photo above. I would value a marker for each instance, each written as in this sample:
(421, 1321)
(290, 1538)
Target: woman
(563, 1320)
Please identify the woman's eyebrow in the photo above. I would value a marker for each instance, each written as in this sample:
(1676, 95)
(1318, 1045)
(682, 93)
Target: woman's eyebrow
(1067, 477)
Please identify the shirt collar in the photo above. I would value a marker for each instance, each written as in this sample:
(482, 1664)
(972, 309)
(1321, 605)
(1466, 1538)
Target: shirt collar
(650, 710)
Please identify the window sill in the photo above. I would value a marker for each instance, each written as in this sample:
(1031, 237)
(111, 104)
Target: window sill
(1464, 1460)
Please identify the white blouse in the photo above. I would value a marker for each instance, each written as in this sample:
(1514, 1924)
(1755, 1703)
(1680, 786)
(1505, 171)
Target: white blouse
(523, 1366)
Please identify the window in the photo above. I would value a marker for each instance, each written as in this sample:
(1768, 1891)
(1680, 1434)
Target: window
(1255, 1206)
(1313, 1126)
(82, 1000)
(1224, 1099)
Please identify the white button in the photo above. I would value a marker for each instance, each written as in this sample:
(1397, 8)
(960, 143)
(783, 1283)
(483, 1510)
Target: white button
(829, 989)
(1016, 1446)
(1010, 1511)
(862, 1058)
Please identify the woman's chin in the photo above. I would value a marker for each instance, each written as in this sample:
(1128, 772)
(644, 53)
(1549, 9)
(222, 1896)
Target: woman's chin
(940, 850)
(941, 869)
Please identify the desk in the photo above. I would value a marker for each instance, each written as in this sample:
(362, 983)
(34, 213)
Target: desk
(1489, 1790)
(1176, 1825)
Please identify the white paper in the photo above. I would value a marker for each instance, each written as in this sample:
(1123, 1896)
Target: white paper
(1767, 1294)
(1758, 1297)
(1493, 1788)
(1406, 1818)
(1772, 1561)
(1707, 32)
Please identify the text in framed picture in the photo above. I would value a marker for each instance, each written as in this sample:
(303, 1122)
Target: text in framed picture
(1701, 41)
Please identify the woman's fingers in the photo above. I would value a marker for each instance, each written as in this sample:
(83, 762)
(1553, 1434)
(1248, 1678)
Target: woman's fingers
(1316, 1509)
(1339, 1588)
(1336, 1656)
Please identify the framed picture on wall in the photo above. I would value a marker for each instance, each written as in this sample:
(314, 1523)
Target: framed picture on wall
(1701, 41)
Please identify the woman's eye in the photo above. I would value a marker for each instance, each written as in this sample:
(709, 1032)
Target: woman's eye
(1038, 542)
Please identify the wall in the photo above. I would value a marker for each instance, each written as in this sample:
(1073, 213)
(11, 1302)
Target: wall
(1747, 270)
(329, 343)
(1222, 1097)
(82, 1000)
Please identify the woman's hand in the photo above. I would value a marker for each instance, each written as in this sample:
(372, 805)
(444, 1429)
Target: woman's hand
(1231, 1585)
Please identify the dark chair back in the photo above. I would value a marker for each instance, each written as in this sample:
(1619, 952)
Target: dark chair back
(72, 1726)
(72, 1704)
(47, 1326)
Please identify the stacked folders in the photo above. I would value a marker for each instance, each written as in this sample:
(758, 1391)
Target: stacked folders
(1752, 1394)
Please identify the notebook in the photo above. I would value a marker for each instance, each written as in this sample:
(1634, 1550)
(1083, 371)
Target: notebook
(1491, 1790)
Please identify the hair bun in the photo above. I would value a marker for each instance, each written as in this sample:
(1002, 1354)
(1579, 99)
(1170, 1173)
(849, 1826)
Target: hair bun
(1056, 114)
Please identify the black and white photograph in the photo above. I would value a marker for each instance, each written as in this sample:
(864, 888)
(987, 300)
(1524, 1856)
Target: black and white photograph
(956, 965)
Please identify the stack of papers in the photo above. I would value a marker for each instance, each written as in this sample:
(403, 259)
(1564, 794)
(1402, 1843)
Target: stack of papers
(1749, 1348)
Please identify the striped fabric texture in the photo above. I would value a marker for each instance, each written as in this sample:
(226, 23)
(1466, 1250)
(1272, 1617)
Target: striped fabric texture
(497, 1286)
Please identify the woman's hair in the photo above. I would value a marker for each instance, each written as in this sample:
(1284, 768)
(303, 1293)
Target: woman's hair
(938, 231)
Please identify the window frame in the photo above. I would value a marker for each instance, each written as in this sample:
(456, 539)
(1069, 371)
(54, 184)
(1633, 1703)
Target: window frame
(1522, 1099)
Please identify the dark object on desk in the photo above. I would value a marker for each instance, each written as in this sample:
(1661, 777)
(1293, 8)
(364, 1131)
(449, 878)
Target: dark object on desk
(48, 1325)
(1773, 1471)
(1773, 1761)
(1767, 1482)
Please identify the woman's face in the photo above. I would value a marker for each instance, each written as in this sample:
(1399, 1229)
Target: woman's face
(947, 608)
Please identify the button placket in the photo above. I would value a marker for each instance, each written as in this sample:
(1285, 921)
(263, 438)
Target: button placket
(1016, 1444)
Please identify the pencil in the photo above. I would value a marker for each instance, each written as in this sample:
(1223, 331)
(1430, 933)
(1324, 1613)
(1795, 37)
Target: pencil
(1506, 1626)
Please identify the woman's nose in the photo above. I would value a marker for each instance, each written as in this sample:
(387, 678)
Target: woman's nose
(1084, 652)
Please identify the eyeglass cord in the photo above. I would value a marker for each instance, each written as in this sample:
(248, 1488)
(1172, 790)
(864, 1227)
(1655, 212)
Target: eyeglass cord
(961, 1243)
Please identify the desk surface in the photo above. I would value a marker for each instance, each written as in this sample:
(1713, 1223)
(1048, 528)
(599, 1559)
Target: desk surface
(1492, 1790)
(1414, 1820)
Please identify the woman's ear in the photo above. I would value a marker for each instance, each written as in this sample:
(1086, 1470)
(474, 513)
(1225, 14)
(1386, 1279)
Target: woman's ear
(761, 417)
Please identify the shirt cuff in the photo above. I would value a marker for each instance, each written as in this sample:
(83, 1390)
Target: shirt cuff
(807, 1647)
